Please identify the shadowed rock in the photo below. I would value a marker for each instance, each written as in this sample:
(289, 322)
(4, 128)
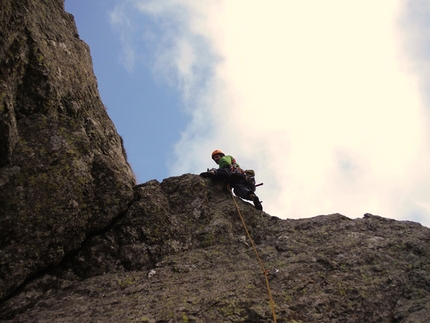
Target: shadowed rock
(63, 172)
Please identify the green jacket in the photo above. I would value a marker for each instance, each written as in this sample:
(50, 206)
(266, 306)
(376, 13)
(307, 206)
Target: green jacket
(227, 161)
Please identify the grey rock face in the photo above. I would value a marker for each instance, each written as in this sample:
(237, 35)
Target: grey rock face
(63, 171)
(180, 253)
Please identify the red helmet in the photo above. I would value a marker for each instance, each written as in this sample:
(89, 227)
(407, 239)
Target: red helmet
(216, 152)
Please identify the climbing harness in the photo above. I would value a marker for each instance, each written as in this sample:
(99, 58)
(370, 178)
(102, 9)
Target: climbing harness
(266, 272)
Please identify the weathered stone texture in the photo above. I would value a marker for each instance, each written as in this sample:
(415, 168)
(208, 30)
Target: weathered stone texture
(180, 254)
(63, 171)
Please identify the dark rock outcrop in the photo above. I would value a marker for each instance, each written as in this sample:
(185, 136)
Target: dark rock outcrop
(63, 171)
(180, 254)
(80, 242)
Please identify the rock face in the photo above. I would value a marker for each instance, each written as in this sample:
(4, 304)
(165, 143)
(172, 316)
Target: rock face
(63, 172)
(80, 242)
(180, 254)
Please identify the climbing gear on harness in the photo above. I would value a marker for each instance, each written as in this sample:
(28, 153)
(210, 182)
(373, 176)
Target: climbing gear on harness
(266, 273)
(236, 170)
(250, 179)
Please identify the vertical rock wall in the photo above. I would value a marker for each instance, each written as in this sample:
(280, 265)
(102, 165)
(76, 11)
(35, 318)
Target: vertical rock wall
(63, 170)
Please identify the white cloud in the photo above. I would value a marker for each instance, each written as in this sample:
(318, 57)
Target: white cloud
(314, 95)
(121, 22)
(164, 40)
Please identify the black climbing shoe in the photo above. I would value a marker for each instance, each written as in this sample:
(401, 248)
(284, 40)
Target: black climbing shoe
(208, 174)
(257, 203)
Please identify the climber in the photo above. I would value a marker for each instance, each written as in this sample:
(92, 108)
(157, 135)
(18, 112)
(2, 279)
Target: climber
(229, 171)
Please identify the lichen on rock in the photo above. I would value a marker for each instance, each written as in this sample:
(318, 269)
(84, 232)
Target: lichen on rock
(61, 176)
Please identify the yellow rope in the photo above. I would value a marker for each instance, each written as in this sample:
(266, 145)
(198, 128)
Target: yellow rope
(265, 272)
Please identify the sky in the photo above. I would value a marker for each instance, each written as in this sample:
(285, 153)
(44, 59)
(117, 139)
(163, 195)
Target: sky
(327, 101)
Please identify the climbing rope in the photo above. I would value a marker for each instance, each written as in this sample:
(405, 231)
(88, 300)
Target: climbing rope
(265, 272)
